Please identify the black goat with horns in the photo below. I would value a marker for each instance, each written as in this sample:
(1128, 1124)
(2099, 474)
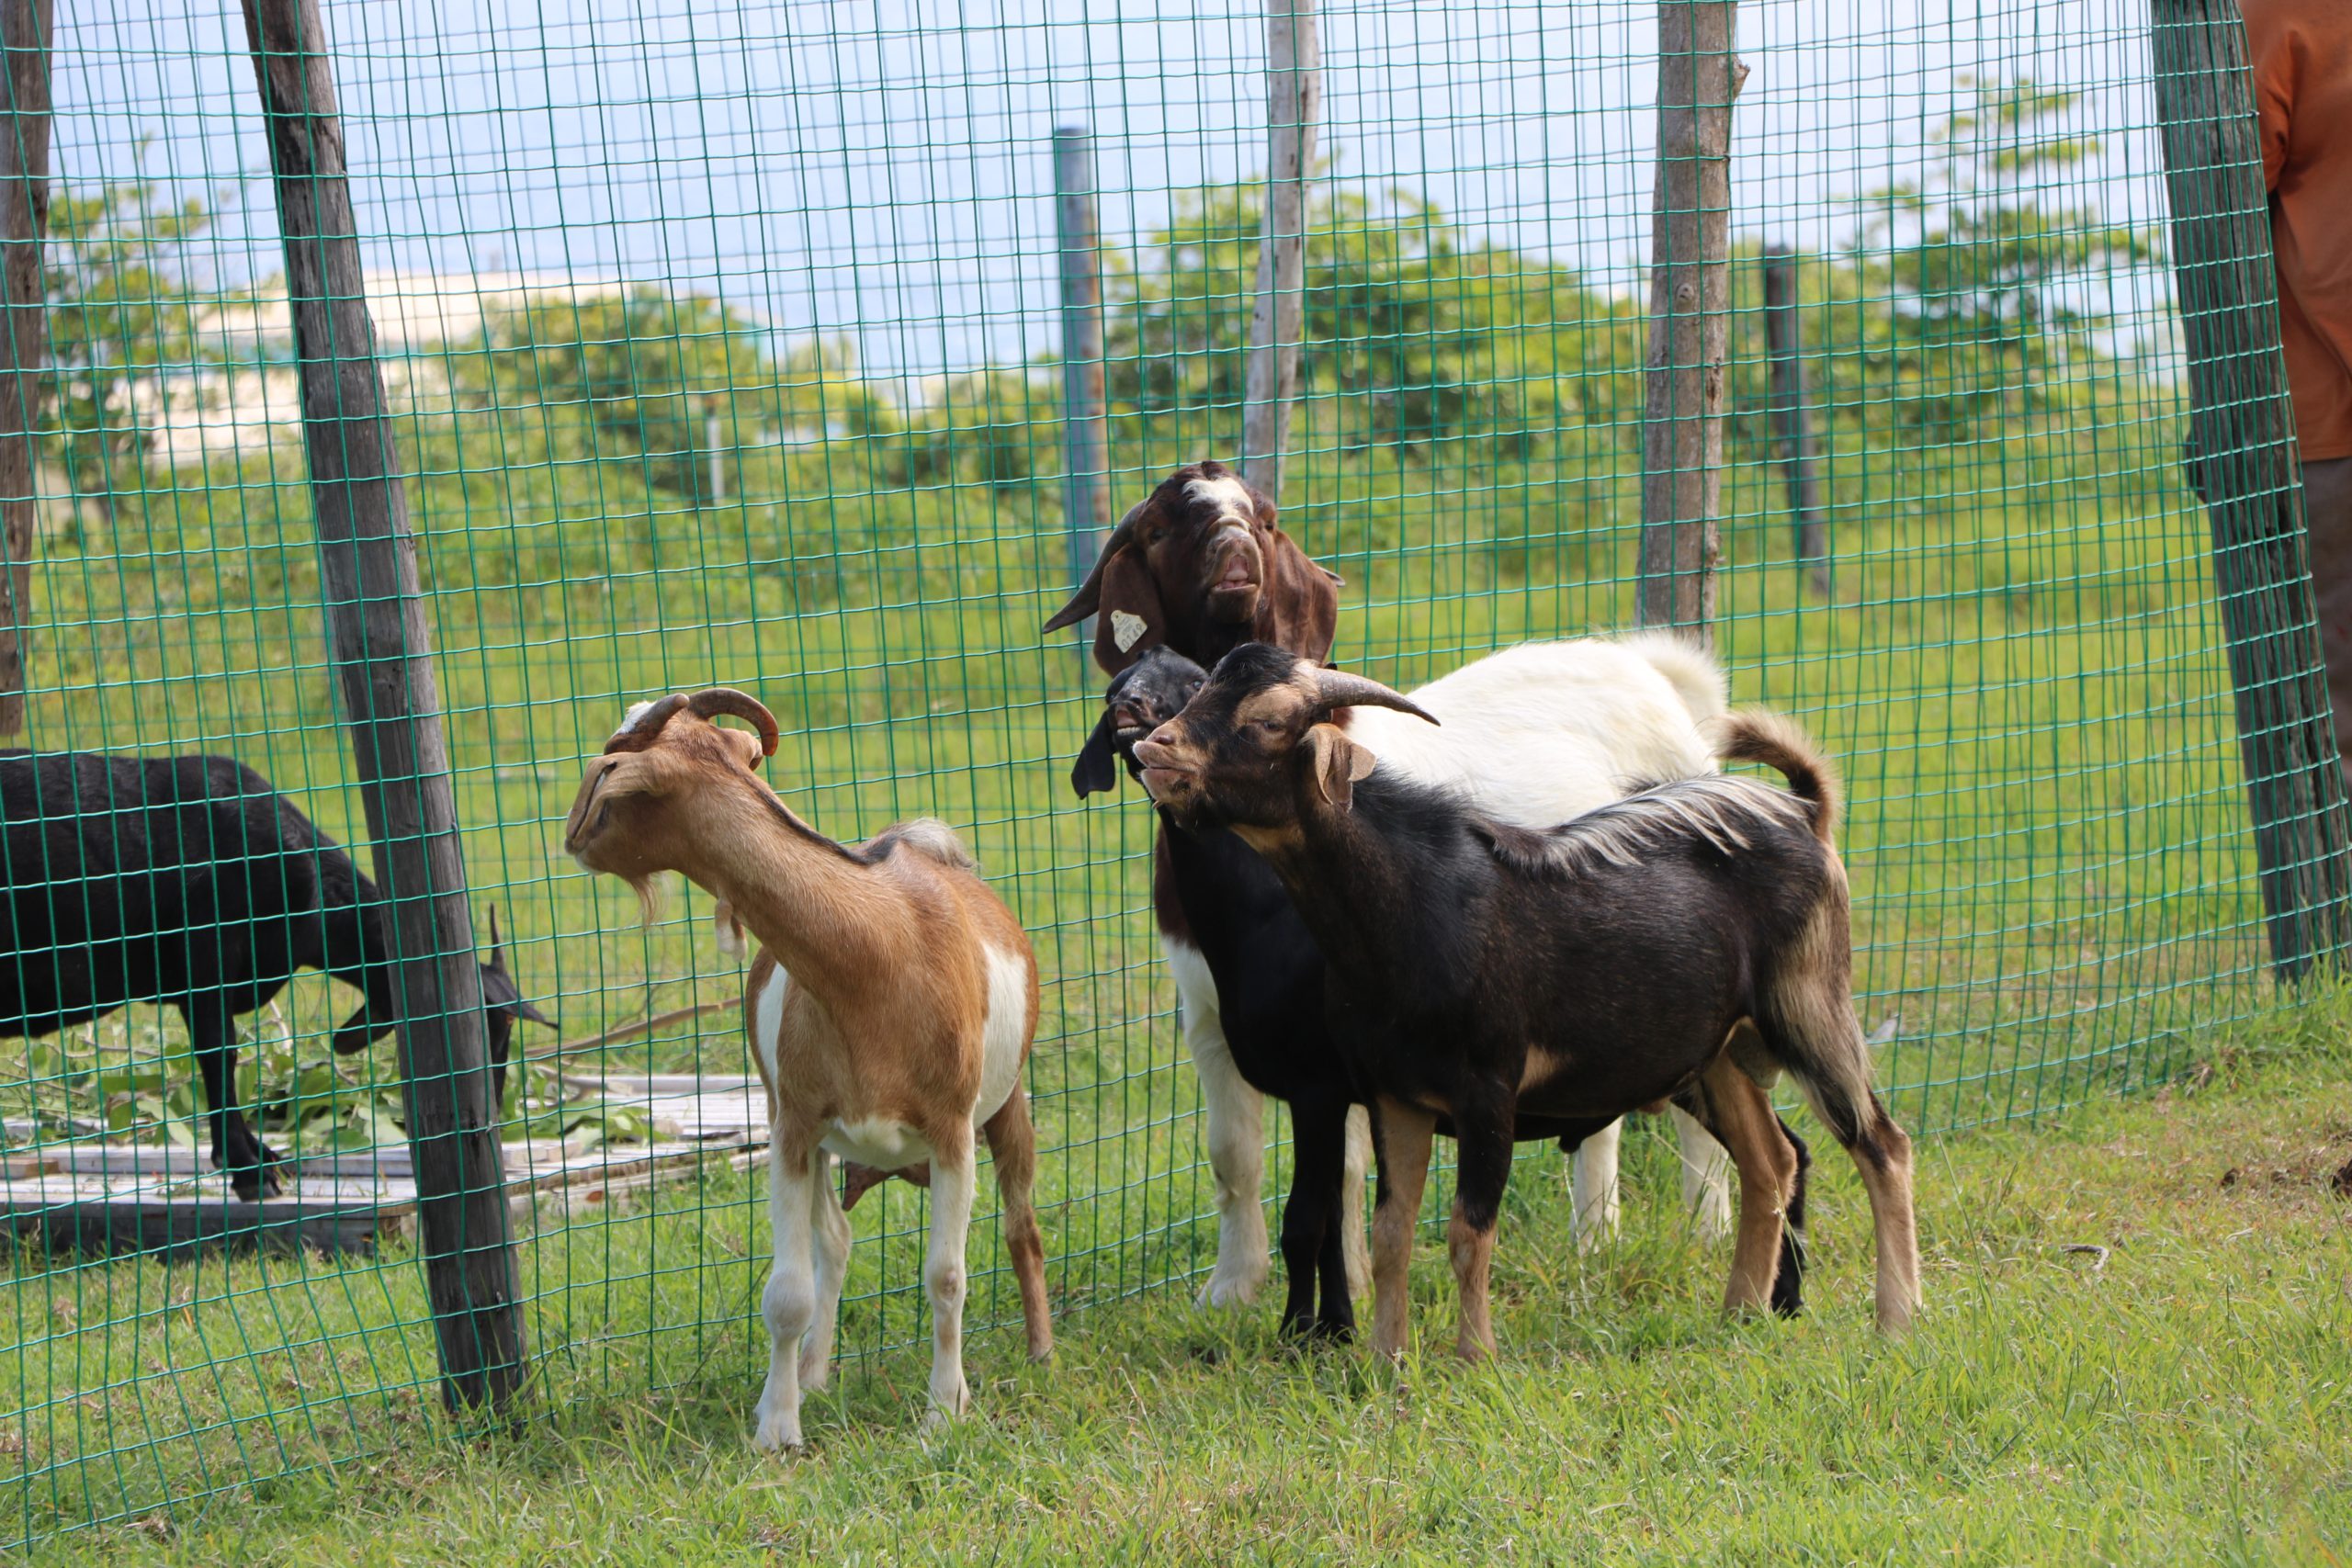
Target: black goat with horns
(188, 882)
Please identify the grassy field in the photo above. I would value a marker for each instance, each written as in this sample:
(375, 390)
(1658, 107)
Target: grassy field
(2136, 1349)
(2020, 673)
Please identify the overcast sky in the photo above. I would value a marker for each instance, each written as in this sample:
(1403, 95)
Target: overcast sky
(885, 170)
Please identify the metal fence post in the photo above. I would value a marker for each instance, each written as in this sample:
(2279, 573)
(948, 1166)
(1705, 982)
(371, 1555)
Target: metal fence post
(1086, 466)
(1793, 415)
(2243, 449)
(383, 652)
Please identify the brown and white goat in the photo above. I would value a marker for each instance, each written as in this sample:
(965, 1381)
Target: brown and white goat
(1689, 941)
(891, 1009)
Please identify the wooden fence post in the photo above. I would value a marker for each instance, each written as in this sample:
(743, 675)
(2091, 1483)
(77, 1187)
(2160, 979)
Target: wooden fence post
(1086, 467)
(2243, 448)
(1793, 415)
(1683, 426)
(383, 652)
(1278, 316)
(23, 302)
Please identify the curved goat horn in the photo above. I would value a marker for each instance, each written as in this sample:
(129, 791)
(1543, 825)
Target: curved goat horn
(713, 702)
(643, 727)
(1336, 690)
(1088, 597)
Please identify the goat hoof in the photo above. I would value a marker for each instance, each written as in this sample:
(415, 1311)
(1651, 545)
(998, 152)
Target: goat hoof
(1230, 1290)
(252, 1182)
(1309, 1333)
(782, 1447)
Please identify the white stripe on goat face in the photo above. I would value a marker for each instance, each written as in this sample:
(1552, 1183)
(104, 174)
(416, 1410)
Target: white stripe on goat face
(1236, 511)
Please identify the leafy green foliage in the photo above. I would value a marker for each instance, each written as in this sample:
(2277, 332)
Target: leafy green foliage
(1421, 334)
(1976, 288)
(125, 325)
(653, 373)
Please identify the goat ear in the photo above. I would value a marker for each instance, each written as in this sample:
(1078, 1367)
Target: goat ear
(1097, 768)
(1339, 764)
(749, 746)
(636, 774)
(1133, 618)
(1299, 611)
(1089, 596)
(521, 1009)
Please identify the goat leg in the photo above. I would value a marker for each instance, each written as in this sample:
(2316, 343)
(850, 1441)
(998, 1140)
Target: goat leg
(1483, 1138)
(1012, 1143)
(1312, 1254)
(1738, 1113)
(1400, 1136)
(212, 1039)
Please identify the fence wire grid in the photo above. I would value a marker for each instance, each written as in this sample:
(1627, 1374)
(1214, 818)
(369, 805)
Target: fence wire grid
(723, 348)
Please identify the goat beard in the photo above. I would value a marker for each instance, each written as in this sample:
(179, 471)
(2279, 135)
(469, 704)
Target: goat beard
(649, 897)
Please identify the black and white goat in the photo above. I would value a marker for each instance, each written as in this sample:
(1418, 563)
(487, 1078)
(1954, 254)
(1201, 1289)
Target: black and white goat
(1267, 976)
(1535, 734)
(189, 882)
(1688, 941)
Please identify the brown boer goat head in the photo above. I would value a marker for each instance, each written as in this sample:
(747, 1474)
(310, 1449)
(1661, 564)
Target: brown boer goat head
(1200, 564)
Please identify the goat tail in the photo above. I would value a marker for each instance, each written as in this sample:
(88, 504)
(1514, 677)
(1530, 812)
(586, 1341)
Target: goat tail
(1689, 668)
(1760, 735)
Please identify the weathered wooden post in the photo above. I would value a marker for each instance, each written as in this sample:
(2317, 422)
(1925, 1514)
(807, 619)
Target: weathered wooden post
(1793, 415)
(24, 303)
(1682, 424)
(1086, 465)
(383, 653)
(1278, 317)
(2243, 444)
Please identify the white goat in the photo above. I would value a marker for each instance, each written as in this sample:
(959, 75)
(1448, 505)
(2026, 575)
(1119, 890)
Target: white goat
(891, 1009)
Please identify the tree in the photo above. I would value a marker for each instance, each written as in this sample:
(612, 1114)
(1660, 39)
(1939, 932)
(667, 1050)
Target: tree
(123, 319)
(1420, 335)
(999, 428)
(651, 368)
(1990, 284)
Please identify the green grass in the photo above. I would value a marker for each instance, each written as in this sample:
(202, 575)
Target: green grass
(2020, 676)
(2181, 1399)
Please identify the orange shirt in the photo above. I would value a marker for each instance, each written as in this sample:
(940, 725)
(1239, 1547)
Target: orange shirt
(2302, 54)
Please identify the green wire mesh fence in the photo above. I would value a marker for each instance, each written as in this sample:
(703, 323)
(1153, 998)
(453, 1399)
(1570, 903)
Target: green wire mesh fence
(725, 345)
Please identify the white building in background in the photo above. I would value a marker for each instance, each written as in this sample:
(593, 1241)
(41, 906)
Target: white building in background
(249, 398)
